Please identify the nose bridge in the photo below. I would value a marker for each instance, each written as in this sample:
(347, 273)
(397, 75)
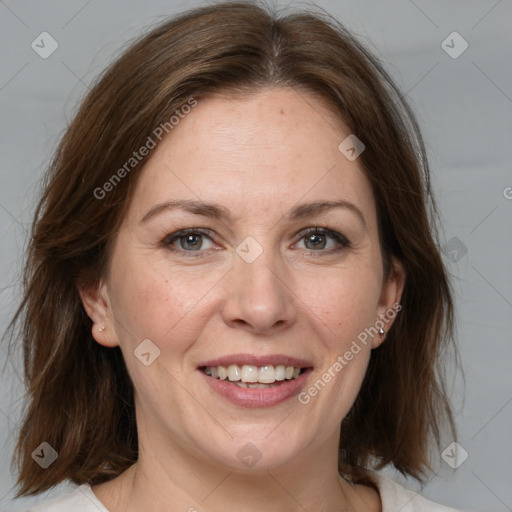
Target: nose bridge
(259, 295)
(266, 272)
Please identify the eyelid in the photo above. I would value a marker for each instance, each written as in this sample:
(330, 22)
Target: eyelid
(340, 239)
(172, 237)
(187, 231)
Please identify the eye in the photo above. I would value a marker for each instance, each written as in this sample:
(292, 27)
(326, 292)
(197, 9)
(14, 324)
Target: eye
(189, 240)
(318, 240)
(323, 240)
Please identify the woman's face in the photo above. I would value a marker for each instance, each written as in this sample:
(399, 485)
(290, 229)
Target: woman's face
(271, 274)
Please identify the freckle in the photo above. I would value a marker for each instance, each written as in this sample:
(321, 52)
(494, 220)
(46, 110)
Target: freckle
(282, 111)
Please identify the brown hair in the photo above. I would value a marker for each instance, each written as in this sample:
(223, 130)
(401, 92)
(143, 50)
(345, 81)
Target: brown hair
(80, 397)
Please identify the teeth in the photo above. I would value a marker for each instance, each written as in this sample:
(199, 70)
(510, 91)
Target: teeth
(280, 372)
(233, 373)
(223, 373)
(249, 373)
(257, 376)
(266, 374)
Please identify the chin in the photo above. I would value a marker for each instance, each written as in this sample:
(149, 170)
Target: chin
(259, 452)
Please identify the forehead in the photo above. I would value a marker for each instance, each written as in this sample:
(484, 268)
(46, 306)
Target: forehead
(254, 154)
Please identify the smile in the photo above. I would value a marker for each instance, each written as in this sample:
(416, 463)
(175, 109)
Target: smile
(254, 377)
(250, 380)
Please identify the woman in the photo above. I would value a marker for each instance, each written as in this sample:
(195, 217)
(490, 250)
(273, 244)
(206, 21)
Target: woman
(234, 297)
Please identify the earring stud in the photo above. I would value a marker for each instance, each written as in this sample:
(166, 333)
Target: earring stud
(102, 328)
(382, 332)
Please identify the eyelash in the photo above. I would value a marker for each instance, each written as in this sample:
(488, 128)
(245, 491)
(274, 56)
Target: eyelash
(341, 240)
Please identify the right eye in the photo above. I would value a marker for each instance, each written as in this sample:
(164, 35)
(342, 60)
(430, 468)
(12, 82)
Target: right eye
(189, 240)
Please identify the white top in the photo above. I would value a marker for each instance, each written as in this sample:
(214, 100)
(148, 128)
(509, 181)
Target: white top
(393, 496)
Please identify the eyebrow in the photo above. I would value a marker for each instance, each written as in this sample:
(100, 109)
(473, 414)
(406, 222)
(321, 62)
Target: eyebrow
(217, 211)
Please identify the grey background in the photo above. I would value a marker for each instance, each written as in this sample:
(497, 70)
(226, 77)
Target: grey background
(464, 106)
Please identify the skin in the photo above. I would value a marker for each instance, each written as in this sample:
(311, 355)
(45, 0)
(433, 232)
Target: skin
(258, 157)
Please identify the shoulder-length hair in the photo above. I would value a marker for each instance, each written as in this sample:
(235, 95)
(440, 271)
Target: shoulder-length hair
(80, 396)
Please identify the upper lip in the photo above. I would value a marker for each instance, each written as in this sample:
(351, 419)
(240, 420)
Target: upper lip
(250, 359)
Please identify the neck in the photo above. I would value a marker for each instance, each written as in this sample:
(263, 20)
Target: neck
(176, 481)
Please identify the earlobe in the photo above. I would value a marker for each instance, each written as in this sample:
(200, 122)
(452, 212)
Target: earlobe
(389, 304)
(96, 303)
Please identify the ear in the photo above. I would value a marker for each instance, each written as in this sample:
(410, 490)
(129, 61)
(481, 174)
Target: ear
(389, 302)
(96, 302)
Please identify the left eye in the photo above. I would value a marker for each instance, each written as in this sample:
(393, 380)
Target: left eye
(318, 239)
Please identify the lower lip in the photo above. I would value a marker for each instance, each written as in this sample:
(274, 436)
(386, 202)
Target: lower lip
(258, 397)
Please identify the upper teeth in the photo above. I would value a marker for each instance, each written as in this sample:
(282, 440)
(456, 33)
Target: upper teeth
(249, 373)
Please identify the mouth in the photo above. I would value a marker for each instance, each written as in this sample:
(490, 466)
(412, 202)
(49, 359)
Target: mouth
(256, 381)
(254, 377)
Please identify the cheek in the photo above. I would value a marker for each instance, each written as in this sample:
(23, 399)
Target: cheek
(141, 305)
(346, 304)
(152, 300)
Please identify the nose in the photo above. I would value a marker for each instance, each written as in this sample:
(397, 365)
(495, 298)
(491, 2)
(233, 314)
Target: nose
(259, 296)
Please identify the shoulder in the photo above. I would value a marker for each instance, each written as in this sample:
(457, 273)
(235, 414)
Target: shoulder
(82, 499)
(395, 497)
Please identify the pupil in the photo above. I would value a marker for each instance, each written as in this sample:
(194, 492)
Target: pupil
(317, 240)
(192, 242)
